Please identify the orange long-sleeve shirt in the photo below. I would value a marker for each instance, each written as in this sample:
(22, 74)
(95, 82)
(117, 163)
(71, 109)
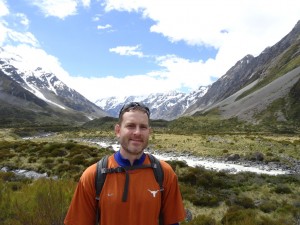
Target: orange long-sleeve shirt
(143, 201)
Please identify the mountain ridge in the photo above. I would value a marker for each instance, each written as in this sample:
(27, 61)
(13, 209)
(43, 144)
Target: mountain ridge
(41, 92)
(167, 106)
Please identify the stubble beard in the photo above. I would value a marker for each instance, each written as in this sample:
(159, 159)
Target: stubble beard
(134, 152)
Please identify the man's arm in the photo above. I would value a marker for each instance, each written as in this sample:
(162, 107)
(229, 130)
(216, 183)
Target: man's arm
(172, 208)
(83, 204)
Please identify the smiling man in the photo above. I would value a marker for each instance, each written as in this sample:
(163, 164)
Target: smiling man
(133, 131)
(131, 194)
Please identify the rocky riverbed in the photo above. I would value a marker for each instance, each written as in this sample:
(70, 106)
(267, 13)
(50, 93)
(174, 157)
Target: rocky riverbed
(229, 164)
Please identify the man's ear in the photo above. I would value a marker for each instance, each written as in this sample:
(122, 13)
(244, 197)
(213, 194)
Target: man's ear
(117, 130)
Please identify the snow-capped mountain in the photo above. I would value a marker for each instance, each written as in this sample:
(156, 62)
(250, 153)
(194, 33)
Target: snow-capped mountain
(40, 91)
(166, 106)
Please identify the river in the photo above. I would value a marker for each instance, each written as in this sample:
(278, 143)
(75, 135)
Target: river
(210, 163)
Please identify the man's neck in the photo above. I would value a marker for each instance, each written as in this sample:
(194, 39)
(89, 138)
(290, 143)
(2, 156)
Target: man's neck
(129, 159)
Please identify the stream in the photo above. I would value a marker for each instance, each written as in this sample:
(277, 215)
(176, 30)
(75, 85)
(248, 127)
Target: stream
(213, 164)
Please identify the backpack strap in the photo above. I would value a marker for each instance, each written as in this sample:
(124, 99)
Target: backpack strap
(102, 170)
(158, 171)
(159, 176)
(99, 182)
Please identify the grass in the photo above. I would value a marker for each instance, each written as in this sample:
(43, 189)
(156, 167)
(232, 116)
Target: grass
(63, 159)
(222, 145)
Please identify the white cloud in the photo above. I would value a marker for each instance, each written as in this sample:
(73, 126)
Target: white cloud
(96, 18)
(25, 38)
(60, 8)
(3, 8)
(12, 35)
(107, 26)
(23, 19)
(3, 12)
(86, 3)
(95, 88)
(250, 25)
(128, 50)
(183, 72)
(32, 58)
(9, 36)
(56, 8)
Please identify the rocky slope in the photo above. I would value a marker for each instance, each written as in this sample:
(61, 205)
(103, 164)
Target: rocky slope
(37, 96)
(255, 83)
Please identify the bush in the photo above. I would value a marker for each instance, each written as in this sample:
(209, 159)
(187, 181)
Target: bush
(245, 202)
(202, 220)
(78, 160)
(264, 220)
(236, 215)
(45, 202)
(268, 206)
(282, 189)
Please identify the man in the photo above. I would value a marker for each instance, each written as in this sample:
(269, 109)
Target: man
(134, 197)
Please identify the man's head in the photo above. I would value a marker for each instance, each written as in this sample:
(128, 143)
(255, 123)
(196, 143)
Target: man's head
(132, 106)
(133, 129)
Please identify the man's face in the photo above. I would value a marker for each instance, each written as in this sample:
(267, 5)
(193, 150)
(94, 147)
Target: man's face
(133, 132)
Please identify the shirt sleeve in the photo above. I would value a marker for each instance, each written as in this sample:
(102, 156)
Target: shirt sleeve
(172, 206)
(83, 205)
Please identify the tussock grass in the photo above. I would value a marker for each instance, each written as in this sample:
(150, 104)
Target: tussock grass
(40, 202)
(274, 146)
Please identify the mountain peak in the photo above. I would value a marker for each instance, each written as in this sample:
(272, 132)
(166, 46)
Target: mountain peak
(39, 92)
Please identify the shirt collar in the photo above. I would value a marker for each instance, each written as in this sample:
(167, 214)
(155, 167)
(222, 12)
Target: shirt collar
(125, 162)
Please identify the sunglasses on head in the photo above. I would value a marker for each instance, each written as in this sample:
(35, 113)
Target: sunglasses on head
(133, 105)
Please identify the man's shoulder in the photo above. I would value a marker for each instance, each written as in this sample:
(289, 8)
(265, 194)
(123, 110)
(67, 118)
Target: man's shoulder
(164, 165)
(90, 171)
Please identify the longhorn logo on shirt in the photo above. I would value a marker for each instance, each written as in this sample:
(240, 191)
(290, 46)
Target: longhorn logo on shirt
(153, 192)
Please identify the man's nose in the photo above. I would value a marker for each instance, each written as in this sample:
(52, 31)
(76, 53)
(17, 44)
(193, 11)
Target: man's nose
(137, 130)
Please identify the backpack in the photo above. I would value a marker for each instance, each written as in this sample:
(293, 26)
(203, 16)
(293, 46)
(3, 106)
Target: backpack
(102, 171)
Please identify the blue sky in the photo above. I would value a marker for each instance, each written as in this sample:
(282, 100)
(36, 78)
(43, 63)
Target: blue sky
(127, 47)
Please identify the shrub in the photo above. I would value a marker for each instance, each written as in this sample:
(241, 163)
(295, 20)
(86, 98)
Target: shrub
(245, 202)
(189, 177)
(48, 160)
(7, 176)
(268, 206)
(282, 189)
(264, 220)
(175, 163)
(59, 152)
(44, 202)
(31, 160)
(77, 160)
(202, 220)
(187, 191)
(236, 215)
(206, 200)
